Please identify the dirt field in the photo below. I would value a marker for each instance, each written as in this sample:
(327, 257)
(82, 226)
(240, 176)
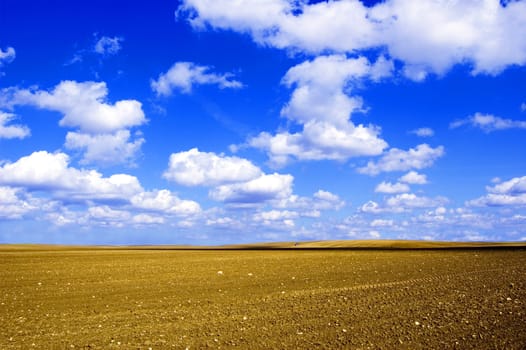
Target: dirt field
(378, 299)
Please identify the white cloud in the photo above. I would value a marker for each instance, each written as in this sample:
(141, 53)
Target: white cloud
(401, 203)
(410, 200)
(489, 123)
(311, 206)
(427, 35)
(166, 202)
(84, 106)
(262, 189)
(321, 104)
(103, 135)
(234, 180)
(523, 107)
(14, 204)
(43, 171)
(14, 130)
(332, 199)
(195, 168)
(118, 200)
(395, 159)
(184, 75)
(382, 223)
(105, 149)
(387, 187)
(516, 185)
(371, 207)
(7, 56)
(508, 193)
(148, 219)
(274, 215)
(413, 178)
(108, 46)
(224, 222)
(276, 218)
(106, 214)
(423, 132)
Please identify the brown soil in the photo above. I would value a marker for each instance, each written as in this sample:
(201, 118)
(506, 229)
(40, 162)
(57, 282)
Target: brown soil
(163, 299)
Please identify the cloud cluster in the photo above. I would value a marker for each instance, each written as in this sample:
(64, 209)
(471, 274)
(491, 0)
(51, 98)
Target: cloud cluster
(402, 186)
(108, 46)
(12, 131)
(427, 35)
(420, 157)
(195, 168)
(7, 56)
(103, 128)
(321, 104)
(14, 204)
(507, 193)
(264, 188)
(235, 180)
(118, 147)
(489, 123)
(414, 178)
(403, 202)
(183, 76)
(84, 105)
(388, 187)
(49, 174)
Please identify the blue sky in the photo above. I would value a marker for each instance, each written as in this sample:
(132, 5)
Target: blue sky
(211, 121)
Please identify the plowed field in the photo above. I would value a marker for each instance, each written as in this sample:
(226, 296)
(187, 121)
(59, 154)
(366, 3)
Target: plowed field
(162, 299)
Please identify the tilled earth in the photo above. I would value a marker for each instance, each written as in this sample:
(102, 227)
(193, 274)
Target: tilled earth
(142, 299)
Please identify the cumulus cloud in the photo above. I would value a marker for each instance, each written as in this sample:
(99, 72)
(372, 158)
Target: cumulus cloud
(148, 219)
(410, 200)
(234, 180)
(265, 188)
(83, 104)
(103, 133)
(423, 132)
(413, 178)
(321, 105)
(164, 201)
(427, 35)
(507, 193)
(382, 223)
(311, 206)
(489, 123)
(373, 207)
(105, 149)
(108, 215)
(195, 168)
(388, 187)
(67, 195)
(7, 56)
(328, 197)
(422, 156)
(14, 203)
(279, 218)
(108, 46)
(404, 202)
(183, 76)
(43, 171)
(14, 130)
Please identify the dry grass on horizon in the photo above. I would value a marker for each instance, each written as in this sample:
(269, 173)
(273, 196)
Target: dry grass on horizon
(325, 244)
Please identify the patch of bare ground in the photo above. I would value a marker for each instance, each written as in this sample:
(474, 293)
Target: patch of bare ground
(261, 299)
